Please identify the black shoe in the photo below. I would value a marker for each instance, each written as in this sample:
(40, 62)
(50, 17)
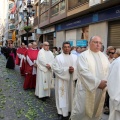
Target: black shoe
(65, 118)
(43, 99)
(60, 117)
(47, 97)
(106, 112)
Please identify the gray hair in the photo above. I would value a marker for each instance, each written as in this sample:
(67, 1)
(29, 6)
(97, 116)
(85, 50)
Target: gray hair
(45, 42)
(93, 37)
(118, 51)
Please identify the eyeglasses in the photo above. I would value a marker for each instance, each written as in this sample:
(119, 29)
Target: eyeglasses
(96, 42)
(111, 52)
(46, 45)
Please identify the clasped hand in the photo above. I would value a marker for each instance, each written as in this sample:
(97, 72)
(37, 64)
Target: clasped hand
(48, 66)
(102, 84)
(71, 69)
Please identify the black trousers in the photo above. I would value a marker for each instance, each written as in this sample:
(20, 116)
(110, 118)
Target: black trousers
(107, 100)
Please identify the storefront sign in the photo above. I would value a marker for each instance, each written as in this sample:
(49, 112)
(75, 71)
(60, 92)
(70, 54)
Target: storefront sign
(104, 15)
(48, 30)
(82, 43)
(110, 13)
(74, 23)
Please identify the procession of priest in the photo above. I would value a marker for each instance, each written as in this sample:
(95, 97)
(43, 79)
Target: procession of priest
(86, 79)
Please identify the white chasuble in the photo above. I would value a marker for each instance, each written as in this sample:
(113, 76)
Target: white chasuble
(44, 76)
(64, 83)
(88, 101)
(114, 89)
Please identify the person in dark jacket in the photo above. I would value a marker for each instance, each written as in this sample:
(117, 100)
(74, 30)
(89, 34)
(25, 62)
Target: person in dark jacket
(11, 53)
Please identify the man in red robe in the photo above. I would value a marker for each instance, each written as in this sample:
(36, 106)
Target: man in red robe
(30, 76)
(30, 46)
(22, 57)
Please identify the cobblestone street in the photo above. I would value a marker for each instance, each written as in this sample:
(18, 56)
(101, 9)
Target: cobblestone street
(19, 104)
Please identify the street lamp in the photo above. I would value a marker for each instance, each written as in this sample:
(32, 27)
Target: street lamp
(29, 12)
(2, 39)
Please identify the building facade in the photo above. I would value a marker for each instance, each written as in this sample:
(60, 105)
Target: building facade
(56, 21)
(15, 23)
(76, 20)
(3, 21)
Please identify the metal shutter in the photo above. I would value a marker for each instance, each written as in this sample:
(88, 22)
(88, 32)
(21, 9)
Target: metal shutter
(114, 34)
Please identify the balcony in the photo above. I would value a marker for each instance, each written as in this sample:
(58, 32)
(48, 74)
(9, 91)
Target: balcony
(35, 21)
(11, 6)
(74, 3)
(9, 35)
(11, 27)
(12, 17)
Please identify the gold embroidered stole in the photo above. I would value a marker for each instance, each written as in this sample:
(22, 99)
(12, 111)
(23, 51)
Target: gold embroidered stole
(62, 88)
(90, 96)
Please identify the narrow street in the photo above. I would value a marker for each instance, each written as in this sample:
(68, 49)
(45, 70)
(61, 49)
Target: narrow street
(19, 104)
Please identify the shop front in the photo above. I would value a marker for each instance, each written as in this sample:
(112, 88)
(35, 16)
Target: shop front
(83, 28)
(48, 35)
(114, 33)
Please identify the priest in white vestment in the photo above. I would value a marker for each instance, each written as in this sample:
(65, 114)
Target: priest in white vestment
(114, 87)
(44, 73)
(65, 69)
(90, 90)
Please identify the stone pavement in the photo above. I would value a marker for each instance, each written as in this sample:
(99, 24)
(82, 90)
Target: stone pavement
(19, 104)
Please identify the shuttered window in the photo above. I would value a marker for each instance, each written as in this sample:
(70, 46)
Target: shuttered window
(114, 34)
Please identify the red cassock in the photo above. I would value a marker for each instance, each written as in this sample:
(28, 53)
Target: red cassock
(17, 61)
(23, 52)
(30, 79)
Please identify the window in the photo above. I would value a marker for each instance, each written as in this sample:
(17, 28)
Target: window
(62, 5)
(75, 3)
(54, 1)
(44, 16)
(55, 10)
(11, 5)
(44, 6)
(58, 9)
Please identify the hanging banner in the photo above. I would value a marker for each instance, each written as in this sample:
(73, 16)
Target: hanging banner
(13, 36)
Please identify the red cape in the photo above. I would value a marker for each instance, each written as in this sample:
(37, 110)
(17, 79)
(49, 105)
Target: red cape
(30, 80)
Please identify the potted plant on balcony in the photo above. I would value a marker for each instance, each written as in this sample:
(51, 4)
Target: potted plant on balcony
(27, 28)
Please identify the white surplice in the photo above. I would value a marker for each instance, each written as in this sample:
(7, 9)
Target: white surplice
(44, 76)
(64, 83)
(89, 100)
(114, 89)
